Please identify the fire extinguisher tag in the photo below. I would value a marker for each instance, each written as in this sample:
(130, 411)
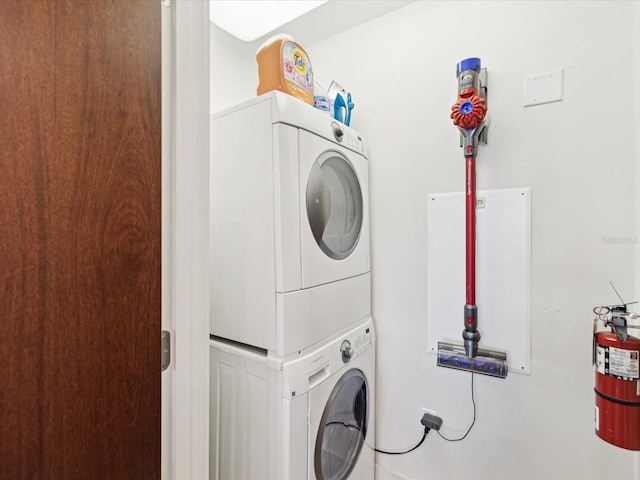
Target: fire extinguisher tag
(597, 419)
(618, 362)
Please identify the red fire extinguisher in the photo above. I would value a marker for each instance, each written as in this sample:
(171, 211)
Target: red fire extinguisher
(617, 385)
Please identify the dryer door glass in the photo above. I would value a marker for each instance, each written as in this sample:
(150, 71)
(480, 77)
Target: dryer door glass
(334, 205)
(343, 428)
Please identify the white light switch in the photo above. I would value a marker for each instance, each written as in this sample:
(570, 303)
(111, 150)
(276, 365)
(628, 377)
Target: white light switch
(543, 88)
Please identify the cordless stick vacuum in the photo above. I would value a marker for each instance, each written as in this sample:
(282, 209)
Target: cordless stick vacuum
(469, 114)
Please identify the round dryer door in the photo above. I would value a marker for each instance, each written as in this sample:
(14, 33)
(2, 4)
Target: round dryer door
(343, 427)
(334, 205)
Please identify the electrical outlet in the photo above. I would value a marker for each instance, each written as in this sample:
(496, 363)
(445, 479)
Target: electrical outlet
(429, 411)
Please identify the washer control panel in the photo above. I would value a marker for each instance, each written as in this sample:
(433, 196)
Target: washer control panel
(307, 369)
(356, 345)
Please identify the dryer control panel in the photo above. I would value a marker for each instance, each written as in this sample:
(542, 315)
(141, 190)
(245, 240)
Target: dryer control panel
(348, 138)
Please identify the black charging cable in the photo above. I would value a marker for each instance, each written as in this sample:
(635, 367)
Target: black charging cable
(429, 421)
(473, 400)
(426, 430)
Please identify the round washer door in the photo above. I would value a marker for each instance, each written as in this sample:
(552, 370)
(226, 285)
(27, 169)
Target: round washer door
(343, 427)
(334, 205)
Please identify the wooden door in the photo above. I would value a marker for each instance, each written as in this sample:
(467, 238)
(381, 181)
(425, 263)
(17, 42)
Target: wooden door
(80, 239)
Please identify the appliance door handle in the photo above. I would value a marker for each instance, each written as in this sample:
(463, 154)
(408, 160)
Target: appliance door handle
(319, 376)
(318, 202)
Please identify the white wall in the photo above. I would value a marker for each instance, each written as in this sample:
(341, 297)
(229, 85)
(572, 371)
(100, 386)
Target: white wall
(234, 73)
(636, 183)
(578, 158)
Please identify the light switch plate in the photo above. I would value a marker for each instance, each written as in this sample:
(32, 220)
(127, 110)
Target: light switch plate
(543, 88)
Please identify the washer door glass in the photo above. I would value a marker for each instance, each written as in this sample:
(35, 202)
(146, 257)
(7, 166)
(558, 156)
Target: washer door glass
(343, 428)
(334, 205)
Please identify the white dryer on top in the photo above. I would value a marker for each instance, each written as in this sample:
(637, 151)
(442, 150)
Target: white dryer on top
(289, 225)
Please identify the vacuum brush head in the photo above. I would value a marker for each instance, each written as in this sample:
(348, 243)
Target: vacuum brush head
(486, 362)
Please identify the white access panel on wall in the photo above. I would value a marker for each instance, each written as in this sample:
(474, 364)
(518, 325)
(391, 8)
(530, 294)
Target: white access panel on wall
(503, 268)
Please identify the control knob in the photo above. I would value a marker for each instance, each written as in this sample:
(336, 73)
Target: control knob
(347, 351)
(337, 131)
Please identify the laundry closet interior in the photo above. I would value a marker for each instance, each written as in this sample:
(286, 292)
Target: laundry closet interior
(337, 241)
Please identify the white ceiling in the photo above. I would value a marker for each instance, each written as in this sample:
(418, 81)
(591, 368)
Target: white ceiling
(327, 20)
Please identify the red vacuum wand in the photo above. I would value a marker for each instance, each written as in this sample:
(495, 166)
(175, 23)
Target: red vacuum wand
(471, 231)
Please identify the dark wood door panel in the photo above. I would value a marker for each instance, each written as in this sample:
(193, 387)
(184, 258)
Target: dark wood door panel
(26, 126)
(80, 237)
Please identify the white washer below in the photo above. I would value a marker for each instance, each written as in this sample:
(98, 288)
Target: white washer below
(308, 416)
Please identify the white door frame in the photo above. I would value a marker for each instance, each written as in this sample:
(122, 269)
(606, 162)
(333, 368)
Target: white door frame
(185, 218)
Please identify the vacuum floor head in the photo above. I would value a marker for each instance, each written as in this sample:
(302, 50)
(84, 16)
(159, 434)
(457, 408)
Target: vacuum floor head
(486, 362)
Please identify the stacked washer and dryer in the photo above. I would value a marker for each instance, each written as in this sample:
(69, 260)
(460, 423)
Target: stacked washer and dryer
(292, 339)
